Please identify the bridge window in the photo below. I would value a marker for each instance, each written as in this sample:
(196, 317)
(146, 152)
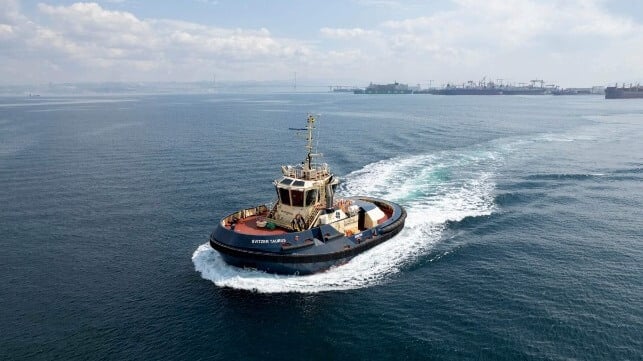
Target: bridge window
(311, 197)
(299, 183)
(297, 198)
(286, 181)
(284, 195)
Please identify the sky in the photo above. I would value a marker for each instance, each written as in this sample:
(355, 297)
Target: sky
(350, 42)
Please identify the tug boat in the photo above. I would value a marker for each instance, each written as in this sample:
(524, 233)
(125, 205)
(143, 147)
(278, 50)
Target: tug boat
(306, 230)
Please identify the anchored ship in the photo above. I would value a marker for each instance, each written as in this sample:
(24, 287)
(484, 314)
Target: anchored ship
(614, 92)
(307, 230)
(395, 88)
(491, 88)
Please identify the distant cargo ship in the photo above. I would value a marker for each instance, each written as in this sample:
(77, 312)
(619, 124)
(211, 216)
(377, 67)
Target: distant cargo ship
(633, 92)
(464, 90)
(491, 88)
(395, 88)
(533, 87)
(573, 91)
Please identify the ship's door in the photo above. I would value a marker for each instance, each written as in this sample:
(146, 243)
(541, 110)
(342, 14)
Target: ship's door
(361, 215)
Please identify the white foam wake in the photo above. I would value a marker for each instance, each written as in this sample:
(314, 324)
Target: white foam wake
(434, 189)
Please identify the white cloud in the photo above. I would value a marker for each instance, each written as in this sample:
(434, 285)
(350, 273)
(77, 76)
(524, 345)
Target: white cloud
(83, 37)
(340, 33)
(6, 31)
(510, 37)
(554, 39)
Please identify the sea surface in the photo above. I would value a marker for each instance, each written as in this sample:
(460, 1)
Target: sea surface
(524, 236)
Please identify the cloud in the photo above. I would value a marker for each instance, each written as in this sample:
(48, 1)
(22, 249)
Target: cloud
(83, 37)
(6, 31)
(340, 33)
(84, 20)
(509, 37)
(552, 39)
(514, 23)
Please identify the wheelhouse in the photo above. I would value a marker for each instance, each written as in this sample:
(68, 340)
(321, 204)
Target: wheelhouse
(297, 193)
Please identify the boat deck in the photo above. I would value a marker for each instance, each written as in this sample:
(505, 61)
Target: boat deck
(248, 225)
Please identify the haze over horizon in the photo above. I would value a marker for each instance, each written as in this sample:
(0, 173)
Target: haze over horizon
(569, 43)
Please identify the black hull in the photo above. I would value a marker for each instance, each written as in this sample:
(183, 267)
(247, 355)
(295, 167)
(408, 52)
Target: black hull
(463, 91)
(486, 91)
(623, 93)
(382, 92)
(312, 261)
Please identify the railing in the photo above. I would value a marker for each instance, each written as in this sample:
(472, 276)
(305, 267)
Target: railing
(311, 218)
(316, 172)
(244, 213)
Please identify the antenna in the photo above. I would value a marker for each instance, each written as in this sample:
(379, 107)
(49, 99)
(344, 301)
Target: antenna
(310, 125)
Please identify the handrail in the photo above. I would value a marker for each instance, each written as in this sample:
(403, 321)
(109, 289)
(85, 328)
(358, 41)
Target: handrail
(312, 217)
(316, 171)
(244, 213)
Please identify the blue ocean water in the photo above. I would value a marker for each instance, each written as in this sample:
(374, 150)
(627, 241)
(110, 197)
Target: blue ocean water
(523, 239)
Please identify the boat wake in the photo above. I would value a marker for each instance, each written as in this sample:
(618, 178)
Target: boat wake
(434, 189)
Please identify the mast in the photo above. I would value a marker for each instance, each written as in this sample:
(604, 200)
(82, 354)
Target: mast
(310, 125)
(307, 170)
